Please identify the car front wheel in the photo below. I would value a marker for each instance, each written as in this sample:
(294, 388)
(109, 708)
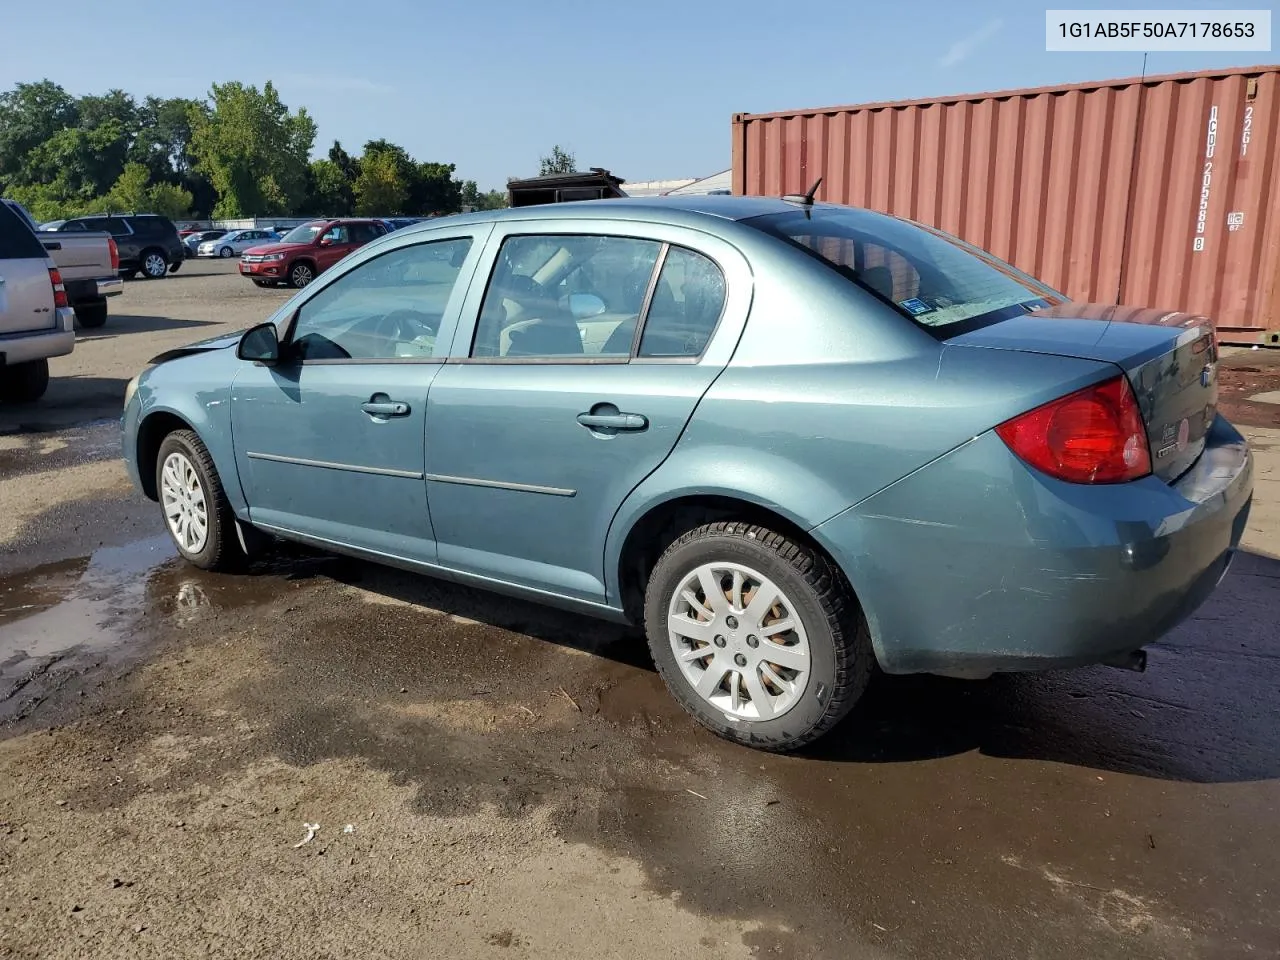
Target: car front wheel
(300, 275)
(757, 636)
(225, 253)
(196, 511)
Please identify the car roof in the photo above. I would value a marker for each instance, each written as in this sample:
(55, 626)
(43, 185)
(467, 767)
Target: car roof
(684, 209)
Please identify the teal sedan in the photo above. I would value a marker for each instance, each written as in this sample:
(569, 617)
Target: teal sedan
(793, 440)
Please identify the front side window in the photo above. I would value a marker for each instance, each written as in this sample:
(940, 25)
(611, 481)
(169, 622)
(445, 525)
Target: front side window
(387, 308)
(341, 233)
(925, 275)
(565, 296)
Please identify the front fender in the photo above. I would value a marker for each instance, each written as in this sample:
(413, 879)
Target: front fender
(763, 479)
(196, 390)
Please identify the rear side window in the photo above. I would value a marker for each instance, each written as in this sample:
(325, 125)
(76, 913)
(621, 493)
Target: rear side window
(17, 242)
(933, 279)
(686, 306)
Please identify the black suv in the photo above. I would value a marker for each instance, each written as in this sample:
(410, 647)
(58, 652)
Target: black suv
(147, 242)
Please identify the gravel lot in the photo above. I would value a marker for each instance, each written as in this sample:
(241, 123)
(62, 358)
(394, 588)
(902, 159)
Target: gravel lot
(492, 779)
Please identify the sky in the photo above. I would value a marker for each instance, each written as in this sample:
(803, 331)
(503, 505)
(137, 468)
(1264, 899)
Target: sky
(646, 90)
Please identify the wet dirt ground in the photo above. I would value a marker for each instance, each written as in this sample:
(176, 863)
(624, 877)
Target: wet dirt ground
(493, 779)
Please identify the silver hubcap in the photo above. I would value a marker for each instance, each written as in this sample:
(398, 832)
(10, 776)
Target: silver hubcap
(155, 265)
(739, 641)
(301, 276)
(226, 251)
(185, 508)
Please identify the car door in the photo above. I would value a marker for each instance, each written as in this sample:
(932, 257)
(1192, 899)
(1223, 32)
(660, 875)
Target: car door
(553, 408)
(329, 442)
(334, 244)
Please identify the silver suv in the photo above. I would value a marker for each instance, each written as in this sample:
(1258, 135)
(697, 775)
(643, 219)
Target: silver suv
(36, 321)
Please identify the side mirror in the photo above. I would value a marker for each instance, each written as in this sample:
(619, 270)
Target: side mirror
(260, 344)
(584, 305)
(326, 242)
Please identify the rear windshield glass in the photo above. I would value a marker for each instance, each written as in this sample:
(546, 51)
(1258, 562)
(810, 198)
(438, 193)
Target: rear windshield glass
(303, 234)
(17, 242)
(937, 281)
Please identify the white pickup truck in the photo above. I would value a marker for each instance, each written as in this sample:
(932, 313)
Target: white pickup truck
(89, 264)
(36, 320)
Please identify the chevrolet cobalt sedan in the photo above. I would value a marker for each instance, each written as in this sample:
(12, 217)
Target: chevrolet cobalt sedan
(793, 440)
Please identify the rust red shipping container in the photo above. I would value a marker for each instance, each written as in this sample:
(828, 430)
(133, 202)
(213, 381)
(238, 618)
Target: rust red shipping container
(1163, 191)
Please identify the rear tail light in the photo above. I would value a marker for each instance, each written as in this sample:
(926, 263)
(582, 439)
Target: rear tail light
(59, 291)
(115, 254)
(1094, 435)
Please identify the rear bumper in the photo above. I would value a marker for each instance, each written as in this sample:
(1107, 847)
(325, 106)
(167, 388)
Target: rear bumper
(18, 348)
(87, 291)
(978, 564)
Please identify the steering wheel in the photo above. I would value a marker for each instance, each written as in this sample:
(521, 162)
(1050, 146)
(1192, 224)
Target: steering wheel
(405, 325)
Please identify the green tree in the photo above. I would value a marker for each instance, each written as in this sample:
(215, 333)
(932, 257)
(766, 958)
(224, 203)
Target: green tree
(559, 161)
(493, 200)
(30, 114)
(329, 192)
(436, 191)
(253, 150)
(381, 188)
(134, 191)
(130, 193)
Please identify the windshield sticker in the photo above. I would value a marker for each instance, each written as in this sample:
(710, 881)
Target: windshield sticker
(915, 306)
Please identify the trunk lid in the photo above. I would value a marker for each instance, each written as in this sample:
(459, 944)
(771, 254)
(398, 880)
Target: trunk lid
(1170, 358)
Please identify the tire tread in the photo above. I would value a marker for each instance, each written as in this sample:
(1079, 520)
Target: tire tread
(853, 655)
(226, 553)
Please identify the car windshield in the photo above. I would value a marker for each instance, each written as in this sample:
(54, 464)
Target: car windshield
(303, 234)
(938, 281)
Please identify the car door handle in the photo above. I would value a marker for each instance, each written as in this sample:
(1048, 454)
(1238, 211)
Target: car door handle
(613, 421)
(52, 245)
(385, 408)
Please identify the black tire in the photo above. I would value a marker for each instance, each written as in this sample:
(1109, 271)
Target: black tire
(225, 253)
(24, 382)
(92, 315)
(841, 657)
(221, 548)
(301, 274)
(153, 264)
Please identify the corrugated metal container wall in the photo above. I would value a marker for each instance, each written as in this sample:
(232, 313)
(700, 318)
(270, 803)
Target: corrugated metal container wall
(1160, 192)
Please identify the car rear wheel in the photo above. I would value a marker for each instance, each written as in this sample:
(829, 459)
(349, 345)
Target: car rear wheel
(154, 265)
(92, 315)
(24, 382)
(225, 253)
(300, 275)
(757, 636)
(196, 511)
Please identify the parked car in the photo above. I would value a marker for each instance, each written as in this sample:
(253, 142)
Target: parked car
(399, 223)
(52, 225)
(793, 440)
(36, 321)
(88, 263)
(307, 251)
(233, 242)
(148, 243)
(192, 242)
